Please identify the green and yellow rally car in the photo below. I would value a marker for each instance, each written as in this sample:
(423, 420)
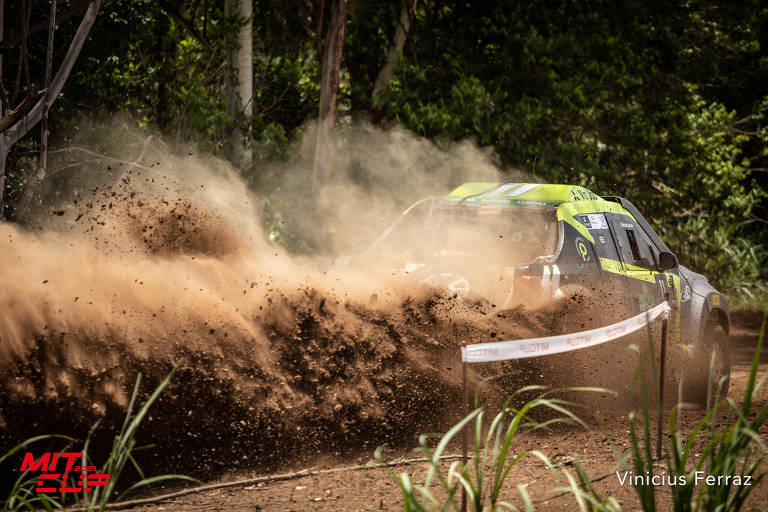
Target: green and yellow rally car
(527, 242)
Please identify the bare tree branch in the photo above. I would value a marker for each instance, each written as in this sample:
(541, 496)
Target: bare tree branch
(24, 50)
(17, 83)
(31, 185)
(12, 116)
(47, 103)
(3, 98)
(108, 158)
(20, 129)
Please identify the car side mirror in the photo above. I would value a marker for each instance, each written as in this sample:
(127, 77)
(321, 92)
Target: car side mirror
(667, 261)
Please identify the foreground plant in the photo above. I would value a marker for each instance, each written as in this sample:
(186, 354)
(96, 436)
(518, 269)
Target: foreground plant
(24, 495)
(484, 475)
(731, 457)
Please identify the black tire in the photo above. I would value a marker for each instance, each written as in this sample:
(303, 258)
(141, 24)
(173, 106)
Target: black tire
(715, 341)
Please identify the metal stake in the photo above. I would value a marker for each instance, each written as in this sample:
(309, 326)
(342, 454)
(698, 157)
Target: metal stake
(659, 424)
(465, 437)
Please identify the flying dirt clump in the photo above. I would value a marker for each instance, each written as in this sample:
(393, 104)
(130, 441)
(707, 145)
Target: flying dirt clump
(160, 262)
(271, 369)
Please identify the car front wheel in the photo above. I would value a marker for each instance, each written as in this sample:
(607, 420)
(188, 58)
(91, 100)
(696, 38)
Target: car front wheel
(712, 367)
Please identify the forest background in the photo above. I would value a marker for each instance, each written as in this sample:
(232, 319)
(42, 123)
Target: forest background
(662, 102)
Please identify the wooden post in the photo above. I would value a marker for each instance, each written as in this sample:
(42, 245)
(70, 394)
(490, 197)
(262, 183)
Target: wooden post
(663, 356)
(465, 438)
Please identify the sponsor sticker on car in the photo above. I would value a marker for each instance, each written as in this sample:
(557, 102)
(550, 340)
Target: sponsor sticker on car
(595, 221)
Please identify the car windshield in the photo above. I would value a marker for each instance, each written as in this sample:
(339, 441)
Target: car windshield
(492, 235)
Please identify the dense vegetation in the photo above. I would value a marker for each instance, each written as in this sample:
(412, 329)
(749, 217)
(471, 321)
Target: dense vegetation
(664, 102)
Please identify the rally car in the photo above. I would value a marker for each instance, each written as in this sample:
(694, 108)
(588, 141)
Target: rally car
(527, 242)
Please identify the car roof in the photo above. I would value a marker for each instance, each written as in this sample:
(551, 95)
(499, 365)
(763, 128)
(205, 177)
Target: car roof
(579, 199)
(570, 200)
(520, 193)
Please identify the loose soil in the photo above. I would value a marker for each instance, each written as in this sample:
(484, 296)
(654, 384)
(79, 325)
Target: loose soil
(596, 447)
(281, 363)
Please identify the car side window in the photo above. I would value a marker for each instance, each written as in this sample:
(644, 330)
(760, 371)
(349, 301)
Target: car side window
(646, 247)
(634, 247)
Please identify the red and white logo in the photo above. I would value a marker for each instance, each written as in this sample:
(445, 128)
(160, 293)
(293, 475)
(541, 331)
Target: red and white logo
(52, 479)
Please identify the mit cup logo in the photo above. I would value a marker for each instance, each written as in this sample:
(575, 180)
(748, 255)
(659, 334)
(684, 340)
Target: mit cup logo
(52, 479)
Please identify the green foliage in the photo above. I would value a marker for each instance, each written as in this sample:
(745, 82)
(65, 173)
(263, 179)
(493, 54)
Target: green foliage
(611, 96)
(160, 72)
(663, 103)
(715, 228)
(732, 448)
(587, 497)
(483, 478)
(122, 453)
(23, 493)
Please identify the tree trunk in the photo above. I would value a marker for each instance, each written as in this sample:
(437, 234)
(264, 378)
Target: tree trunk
(20, 128)
(242, 88)
(33, 181)
(47, 104)
(3, 100)
(402, 31)
(3, 157)
(329, 87)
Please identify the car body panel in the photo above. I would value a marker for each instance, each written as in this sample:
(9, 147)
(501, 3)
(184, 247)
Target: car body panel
(594, 247)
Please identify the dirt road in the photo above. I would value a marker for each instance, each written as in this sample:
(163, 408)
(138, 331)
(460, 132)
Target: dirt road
(374, 489)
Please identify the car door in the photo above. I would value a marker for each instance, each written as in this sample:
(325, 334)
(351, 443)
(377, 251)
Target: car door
(638, 256)
(674, 283)
(610, 279)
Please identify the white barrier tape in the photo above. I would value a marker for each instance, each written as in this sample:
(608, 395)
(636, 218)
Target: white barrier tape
(534, 347)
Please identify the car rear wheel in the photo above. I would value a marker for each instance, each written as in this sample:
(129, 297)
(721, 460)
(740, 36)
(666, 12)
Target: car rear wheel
(712, 366)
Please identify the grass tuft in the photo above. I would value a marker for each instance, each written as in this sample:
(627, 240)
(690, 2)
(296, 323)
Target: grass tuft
(492, 459)
(733, 450)
(23, 495)
(724, 442)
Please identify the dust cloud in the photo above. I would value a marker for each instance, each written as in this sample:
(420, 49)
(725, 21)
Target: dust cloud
(149, 260)
(377, 174)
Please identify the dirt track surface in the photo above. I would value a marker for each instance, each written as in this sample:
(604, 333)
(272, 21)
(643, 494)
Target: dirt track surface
(374, 489)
